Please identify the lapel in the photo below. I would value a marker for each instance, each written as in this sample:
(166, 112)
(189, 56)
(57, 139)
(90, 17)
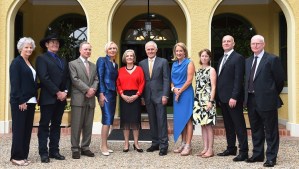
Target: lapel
(248, 67)
(55, 61)
(146, 68)
(154, 66)
(82, 66)
(109, 64)
(228, 59)
(261, 65)
(26, 67)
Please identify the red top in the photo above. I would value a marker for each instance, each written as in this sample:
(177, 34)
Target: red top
(133, 81)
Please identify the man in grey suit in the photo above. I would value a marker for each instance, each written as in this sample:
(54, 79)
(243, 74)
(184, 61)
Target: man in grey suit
(264, 80)
(155, 96)
(84, 85)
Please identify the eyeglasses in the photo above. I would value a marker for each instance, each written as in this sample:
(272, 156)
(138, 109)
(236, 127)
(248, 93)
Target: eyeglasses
(255, 44)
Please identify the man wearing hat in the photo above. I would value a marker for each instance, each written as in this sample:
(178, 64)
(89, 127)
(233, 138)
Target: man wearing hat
(53, 74)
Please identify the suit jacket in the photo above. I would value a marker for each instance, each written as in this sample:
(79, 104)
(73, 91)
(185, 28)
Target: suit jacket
(107, 74)
(52, 76)
(22, 84)
(81, 82)
(268, 82)
(158, 85)
(230, 79)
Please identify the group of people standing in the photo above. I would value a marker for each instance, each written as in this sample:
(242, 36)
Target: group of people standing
(149, 84)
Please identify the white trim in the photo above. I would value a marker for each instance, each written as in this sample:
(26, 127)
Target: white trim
(97, 128)
(5, 127)
(282, 121)
(294, 129)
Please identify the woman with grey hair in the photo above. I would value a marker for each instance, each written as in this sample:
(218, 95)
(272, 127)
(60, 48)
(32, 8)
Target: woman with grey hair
(23, 94)
(130, 84)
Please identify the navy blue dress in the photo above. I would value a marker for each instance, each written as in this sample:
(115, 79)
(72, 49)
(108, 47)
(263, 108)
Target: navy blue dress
(107, 73)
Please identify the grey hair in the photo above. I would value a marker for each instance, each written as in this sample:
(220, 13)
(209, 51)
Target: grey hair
(23, 41)
(125, 54)
(151, 43)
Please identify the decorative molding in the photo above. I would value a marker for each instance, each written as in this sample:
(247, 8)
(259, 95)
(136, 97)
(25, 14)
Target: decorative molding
(294, 129)
(97, 128)
(5, 127)
(245, 2)
(54, 2)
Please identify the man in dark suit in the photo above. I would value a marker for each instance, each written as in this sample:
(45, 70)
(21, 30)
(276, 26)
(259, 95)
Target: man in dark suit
(155, 96)
(264, 81)
(84, 86)
(52, 72)
(230, 98)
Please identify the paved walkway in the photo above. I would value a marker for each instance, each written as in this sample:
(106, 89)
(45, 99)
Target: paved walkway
(288, 156)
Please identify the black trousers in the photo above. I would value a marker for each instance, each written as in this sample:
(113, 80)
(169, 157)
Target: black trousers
(264, 125)
(50, 114)
(158, 124)
(22, 122)
(234, 124)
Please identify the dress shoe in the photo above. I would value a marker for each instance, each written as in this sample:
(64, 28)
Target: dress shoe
(57, 156)
(87, 153)
(163, 152)
(44, 159)
(207, 156)
(254, 159)
(110, 151)
(126, 149)
(228, 152)
(76, 155)
(152, 149)
(140, 150)
(269, 163)
(105, 153)
(179, 149)
(19, 162)
(241, 157)
(186, 151)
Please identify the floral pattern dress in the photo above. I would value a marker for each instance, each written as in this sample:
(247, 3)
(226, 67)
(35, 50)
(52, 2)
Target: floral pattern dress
(202, 96)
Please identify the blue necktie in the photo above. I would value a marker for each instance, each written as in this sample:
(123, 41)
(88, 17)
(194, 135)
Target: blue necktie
(58, 60)
(252, 71)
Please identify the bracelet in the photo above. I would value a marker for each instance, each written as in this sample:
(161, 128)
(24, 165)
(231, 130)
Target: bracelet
(172, 89)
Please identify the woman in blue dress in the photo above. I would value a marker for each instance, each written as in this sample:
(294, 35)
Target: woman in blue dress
(107, 73)
(181, 85)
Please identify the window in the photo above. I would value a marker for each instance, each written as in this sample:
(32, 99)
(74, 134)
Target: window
(72, 28)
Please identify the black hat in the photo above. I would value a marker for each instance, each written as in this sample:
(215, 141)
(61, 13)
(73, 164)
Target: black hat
(43, 42)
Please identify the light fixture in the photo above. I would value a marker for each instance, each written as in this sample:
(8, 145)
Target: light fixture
(148, 24)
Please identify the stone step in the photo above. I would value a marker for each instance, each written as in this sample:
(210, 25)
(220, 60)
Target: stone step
(219, 129)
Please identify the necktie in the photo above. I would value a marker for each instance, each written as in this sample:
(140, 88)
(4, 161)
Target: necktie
(223, 62)
(252, 71)
(58, 60)
(87, 67)
(150, 67)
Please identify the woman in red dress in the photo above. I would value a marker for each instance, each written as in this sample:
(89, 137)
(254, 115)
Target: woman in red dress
(130, 84)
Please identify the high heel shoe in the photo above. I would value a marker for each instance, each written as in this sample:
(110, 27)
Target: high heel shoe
(137, 149)
(126, 150)
(179, 149)
(186, 151)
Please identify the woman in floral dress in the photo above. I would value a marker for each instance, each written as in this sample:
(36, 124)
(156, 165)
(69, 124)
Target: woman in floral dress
(204, 111)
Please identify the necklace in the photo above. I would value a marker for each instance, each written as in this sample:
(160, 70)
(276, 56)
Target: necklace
(131, 68)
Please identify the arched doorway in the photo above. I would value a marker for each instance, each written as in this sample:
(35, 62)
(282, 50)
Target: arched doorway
(135, 35)
(231, 24)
